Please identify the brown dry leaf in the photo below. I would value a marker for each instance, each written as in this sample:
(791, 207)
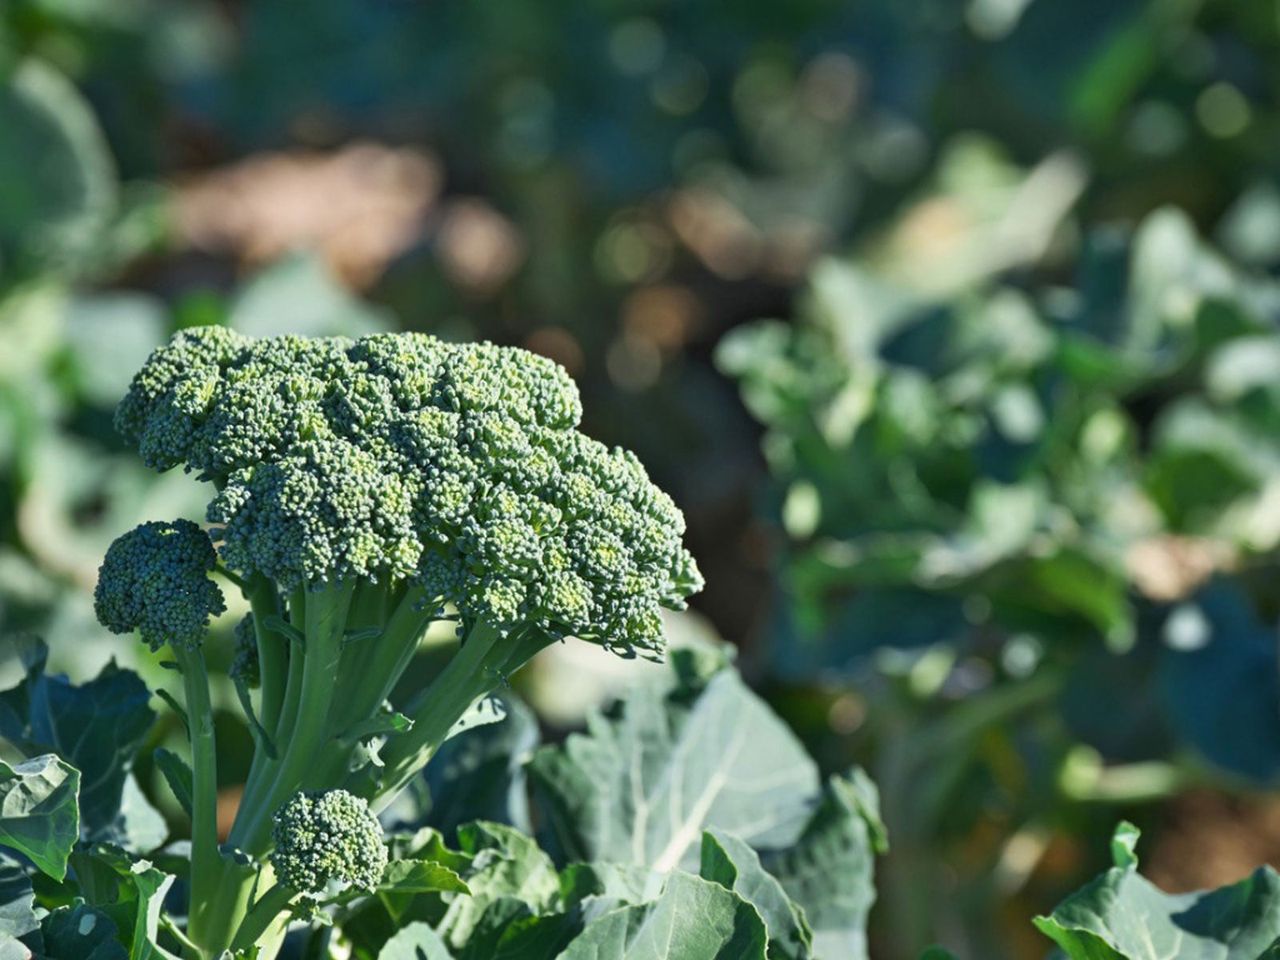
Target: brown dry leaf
(358, 207)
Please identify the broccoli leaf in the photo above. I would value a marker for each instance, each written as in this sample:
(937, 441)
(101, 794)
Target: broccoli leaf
(420, 876)
(506, 866)
(177, 773)
(692, 918)
(728, 861)
(98, 727)
(130, 891)
(1123, 916)
(57, 182)
(17, 902)
(840, 840)
(80, 932)
(646, 779)
(416, 941)
(39, 816)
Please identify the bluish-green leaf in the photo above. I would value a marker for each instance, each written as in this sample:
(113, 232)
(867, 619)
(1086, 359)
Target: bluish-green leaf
(1122, 916)
(728, 861)
(645, 780)
(692, 918)
(81, 932)
(39, 815)
(17, 901)
(840, 841)
(98, 727)
(415, 941)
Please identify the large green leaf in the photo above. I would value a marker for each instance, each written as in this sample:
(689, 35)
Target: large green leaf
(267, 306)
(829, 870)
(81, 932)
(17, 903)
(420, 876)
(130, 891)
(39, 815)
(1123, 916)
(57, 179)
(645, 780)
(692, 918)
(416, 941)
(98, 727)
(728, 861)
(507, 867)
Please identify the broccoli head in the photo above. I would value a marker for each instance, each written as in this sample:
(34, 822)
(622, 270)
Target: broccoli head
(155, 579)
(402, 458)
(327, 842)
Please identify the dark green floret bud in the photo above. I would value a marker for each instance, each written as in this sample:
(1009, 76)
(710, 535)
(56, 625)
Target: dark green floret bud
(155, 580)
(327, 842)
(245, 665)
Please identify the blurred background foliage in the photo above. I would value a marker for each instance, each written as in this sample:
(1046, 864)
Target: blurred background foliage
(952, 326)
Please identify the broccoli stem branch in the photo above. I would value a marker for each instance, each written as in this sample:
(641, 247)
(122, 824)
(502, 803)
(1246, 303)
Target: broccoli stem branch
(383, 661)
(482, 663)
(263, 769)
(206, 861)
(265, 911)
(273, 664)
(272, 652)
(325, 620)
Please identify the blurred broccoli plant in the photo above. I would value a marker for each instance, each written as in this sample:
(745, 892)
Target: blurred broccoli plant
(1025, 498)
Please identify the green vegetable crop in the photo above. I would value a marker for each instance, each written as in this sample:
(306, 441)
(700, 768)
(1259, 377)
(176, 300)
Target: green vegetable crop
(362, 490)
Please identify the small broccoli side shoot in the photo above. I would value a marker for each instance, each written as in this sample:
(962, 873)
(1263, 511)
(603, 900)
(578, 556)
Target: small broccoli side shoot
(326, 843)
(245, 665)
(155, 579)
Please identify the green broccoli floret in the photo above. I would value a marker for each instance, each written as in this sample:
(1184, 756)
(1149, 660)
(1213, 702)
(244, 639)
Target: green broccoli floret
(245, 665)
(155, 579)
(364, 489)
(328, 842)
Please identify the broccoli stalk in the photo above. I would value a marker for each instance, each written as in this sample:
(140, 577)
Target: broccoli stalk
(364, 490)
(154, 580)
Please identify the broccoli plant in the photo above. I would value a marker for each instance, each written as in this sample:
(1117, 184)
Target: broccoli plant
(363, 490)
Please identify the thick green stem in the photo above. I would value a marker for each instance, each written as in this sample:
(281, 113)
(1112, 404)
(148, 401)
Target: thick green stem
(273, 659)
(386, 659)
(263, 770)
(326, 620)
(206, 861)
(483, 662)
(261, 916)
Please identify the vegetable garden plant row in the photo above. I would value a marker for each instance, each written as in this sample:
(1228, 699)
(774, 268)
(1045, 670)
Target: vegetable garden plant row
(362, 492)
